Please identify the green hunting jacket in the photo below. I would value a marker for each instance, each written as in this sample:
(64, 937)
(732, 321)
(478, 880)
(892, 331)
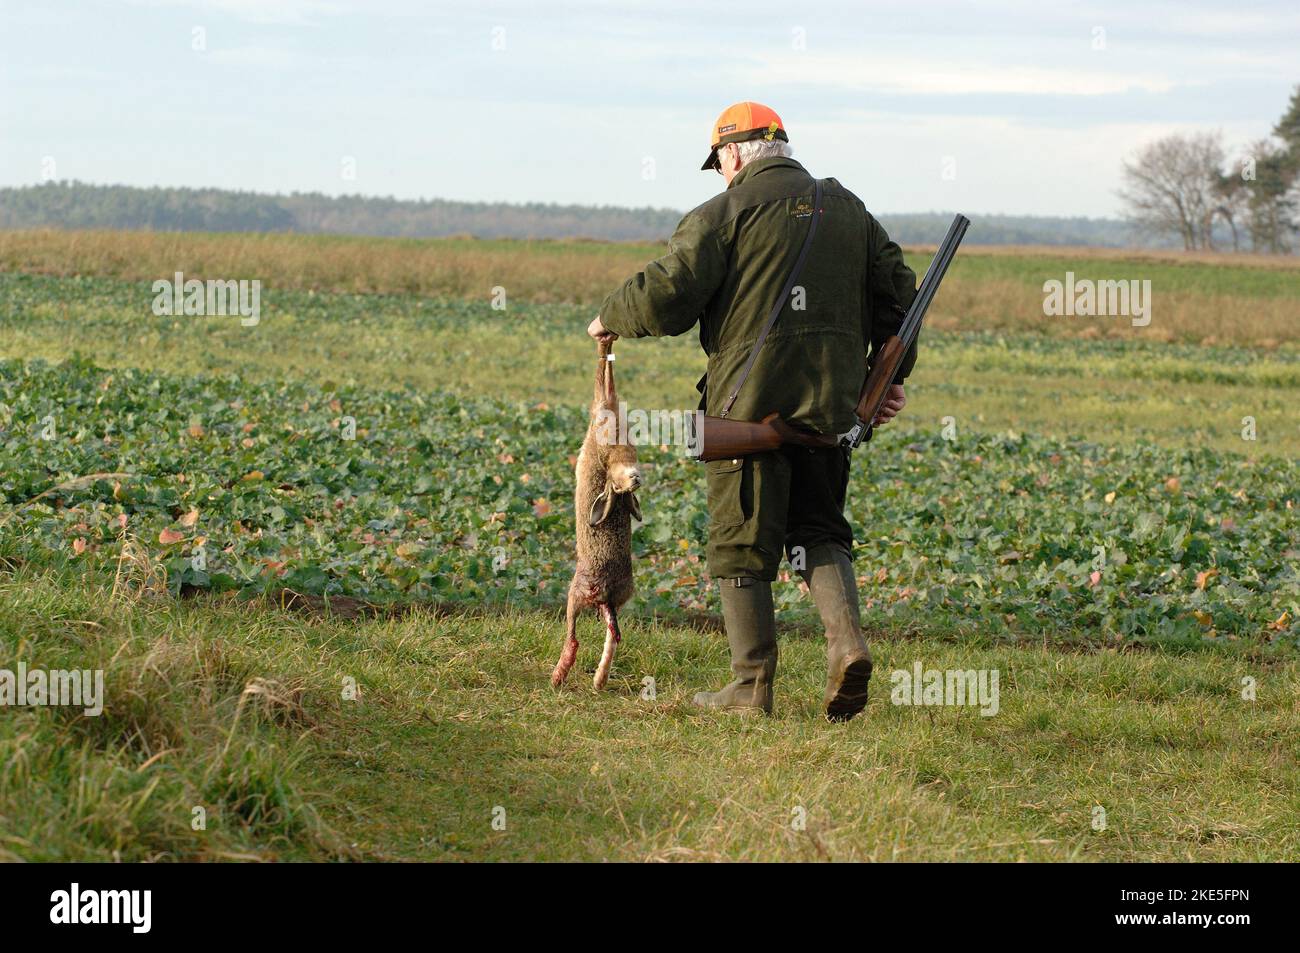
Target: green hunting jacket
(726, 264)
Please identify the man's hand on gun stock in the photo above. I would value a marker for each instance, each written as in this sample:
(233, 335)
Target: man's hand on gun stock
(894, 402)
(597, 331)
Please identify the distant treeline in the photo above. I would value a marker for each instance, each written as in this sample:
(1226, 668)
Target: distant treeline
(929, 227)
(79, 205)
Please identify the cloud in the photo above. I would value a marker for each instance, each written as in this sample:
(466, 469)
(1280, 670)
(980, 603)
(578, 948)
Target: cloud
(899, 74)
(259, 11)
(262, 57)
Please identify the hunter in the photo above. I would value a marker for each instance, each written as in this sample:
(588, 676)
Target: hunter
(726, 265)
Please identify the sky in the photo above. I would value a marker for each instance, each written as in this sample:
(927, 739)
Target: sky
(983, 107)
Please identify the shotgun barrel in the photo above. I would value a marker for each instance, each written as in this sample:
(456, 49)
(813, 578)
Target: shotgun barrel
(885, 365)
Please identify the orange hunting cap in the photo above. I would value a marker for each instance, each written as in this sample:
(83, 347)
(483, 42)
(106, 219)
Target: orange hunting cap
(742, 122)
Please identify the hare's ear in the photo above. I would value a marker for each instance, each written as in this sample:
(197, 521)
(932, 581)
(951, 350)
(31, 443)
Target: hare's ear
(608, 497)
(635, 507)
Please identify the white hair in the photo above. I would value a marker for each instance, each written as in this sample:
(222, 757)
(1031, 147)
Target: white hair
(755, 149)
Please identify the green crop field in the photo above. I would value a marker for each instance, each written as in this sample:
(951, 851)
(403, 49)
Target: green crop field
(321, 561)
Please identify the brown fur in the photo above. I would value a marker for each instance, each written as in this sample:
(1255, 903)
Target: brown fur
(604, 502)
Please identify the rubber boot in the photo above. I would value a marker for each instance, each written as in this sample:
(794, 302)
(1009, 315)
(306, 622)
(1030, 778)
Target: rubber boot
(834, 588)
(751, 633)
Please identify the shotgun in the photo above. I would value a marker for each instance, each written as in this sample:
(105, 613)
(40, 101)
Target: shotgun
(885, 366)
(720, 437)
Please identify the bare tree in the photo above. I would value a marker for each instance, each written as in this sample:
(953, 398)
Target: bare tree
(1173, 186)
(1232, 206)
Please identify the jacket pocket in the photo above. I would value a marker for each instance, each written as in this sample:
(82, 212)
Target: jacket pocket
(726, 480)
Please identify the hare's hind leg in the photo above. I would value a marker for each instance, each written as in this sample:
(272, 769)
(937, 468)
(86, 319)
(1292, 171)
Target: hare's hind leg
(570, 652)
(612, 638)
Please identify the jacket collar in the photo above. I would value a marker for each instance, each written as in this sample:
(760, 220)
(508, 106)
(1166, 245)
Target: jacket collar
(762, 165)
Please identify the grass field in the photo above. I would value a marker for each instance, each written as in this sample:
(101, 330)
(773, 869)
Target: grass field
(238, 708)
(1241, 300)
(1117, 389)
(1091, 524)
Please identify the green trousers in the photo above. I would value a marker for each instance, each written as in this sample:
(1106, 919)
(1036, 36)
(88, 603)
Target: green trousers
(769, 503)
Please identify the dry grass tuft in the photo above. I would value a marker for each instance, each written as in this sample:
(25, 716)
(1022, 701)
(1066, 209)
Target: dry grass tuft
(140, 574)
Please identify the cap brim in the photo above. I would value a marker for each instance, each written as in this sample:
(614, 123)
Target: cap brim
(746, 136)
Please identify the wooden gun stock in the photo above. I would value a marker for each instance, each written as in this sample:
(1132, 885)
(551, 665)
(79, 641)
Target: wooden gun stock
(876, 389)
(718, 438)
